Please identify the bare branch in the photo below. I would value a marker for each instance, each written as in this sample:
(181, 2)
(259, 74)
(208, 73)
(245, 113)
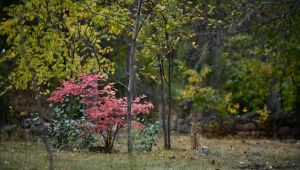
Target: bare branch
(141, 25)
(104, 70)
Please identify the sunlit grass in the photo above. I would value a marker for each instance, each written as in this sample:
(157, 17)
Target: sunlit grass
(224, 154)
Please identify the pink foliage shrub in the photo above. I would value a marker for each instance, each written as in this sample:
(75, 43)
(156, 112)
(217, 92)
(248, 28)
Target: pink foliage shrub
(107, 114)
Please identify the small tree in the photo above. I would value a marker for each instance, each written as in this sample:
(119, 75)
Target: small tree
(106, 113)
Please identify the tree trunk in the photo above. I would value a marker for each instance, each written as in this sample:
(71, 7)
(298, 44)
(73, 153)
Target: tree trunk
(169, 102)
(131, 76)
(108, 145)
(43, 130)
(162, 102)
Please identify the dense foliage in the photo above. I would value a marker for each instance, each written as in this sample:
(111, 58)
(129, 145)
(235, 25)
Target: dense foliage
(63, 130)
(227, 58)
(106, 113)
(146, 138)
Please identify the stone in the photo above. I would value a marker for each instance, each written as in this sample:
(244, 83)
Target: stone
(180, 121)
(26, 134)
(243, 133)
(204, 151)
(173, 122)
(239, 127)
(226, 129)
(262, 133)
(9, 129)
(183, 128)
(27, 123)
(46, 125)
(295, 132)
(247, 117)
(284, 131)
(254, 133)
(249, 126)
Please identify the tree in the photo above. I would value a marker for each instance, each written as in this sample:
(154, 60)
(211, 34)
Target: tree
(61, 38)
(134, 30)
(106, 113)
(160, 37)
(254, 48)
(51, 40)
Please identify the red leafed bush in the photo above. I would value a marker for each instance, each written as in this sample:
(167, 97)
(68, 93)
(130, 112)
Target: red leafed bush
(107, 114)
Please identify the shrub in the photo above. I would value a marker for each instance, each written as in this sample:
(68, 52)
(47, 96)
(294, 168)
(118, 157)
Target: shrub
(67, 116)
(106, 114)
(145, 140)
(64, 131)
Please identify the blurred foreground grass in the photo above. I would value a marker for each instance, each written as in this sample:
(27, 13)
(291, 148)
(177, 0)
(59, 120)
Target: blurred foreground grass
(228, 153)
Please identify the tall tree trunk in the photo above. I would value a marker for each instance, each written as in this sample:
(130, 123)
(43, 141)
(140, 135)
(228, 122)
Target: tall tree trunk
(169, 83)
(43, 130)
(131, 75)
(169, 102)
(162, 101)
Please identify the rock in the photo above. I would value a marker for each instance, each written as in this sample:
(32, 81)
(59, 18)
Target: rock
(186, 107)
(255, 133)
(239, 127)
(195, 116)
(226, 129)
(262, 133)
(247, 117)
(249, 126)
(289, 140)
(26, 134)
(26, 123)
(183, 128)
(284, 131)
(204, 151)
(9, 129)
(295, 132)
(46, 125)
(180, 121)
(243, 133)
(173, 122)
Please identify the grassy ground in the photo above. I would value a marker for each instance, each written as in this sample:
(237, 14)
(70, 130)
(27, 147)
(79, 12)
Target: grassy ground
(226, 153)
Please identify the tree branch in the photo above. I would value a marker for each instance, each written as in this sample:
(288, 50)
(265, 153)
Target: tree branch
(103, 15)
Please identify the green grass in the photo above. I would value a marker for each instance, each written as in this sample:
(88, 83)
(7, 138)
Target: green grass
(224, 154)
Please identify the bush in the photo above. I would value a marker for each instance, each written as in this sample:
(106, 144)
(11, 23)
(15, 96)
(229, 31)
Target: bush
(105, 113)
(146, 139)
(63, 129)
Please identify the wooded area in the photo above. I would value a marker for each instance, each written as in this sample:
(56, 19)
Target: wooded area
(85, 74)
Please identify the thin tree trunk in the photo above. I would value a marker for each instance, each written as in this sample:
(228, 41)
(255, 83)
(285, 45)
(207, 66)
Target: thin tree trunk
(43, 129)
(169, 103)
(169, 87)
(131, 76)
(129, 98)
(162, 100)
